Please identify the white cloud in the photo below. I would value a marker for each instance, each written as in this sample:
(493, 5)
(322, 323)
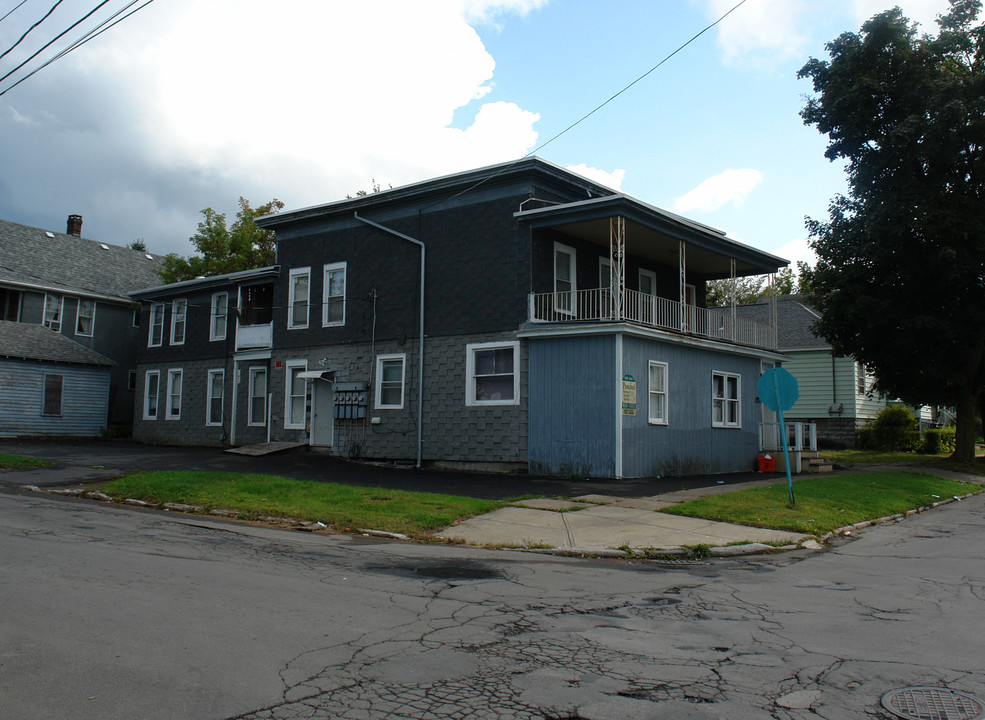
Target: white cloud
(485, 11)
(611, 180)
(924, 12)
(796, 250)
(763, 28)
(729, 186)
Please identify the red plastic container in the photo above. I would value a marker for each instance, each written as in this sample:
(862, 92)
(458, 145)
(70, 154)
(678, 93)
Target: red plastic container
(767, 463)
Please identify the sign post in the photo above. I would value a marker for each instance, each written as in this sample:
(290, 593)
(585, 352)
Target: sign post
(778, 391)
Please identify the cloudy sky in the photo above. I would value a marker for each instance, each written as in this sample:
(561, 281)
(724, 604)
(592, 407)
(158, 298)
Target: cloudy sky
(192, 103)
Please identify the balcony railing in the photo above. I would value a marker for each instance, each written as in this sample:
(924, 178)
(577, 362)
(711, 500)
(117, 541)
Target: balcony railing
(801, 437)
(651, 311)
(253, 337)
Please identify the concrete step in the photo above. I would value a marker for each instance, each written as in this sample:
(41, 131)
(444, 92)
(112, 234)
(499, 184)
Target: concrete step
(818, 465)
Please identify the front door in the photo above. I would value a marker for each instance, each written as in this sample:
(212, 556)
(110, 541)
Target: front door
(322, 407)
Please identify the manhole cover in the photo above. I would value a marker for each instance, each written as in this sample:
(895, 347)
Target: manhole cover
(929, 703)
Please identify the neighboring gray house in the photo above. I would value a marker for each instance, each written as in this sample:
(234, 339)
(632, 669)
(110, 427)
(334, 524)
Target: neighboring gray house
(50, 385)
(79, 289)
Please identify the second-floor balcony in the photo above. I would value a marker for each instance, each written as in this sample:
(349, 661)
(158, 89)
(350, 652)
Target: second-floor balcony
(599, 305)
(254, 337)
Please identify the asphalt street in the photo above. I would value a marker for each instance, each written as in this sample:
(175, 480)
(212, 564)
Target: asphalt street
(112, 612)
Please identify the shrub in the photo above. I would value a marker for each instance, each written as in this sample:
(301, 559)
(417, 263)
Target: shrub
(865, 438)
(895, 429)
(937, 441)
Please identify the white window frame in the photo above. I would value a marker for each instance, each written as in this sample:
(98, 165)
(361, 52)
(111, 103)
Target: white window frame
(251, 420)
(156, 374)
(175, 313)
(290, 399)
(292, 322)
(572, 254)
(79, 317)
(217, 375)
(470, 350)
(54, 320)
(326, 298)
(173, 411)
(44, 394)
(136, 318)
(378, 390)
(726, 401)
(220, 301)
(652, 418)
(155, 324)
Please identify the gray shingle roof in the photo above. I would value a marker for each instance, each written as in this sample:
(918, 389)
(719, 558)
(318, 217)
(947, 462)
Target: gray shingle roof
(72, 264)
(794, 319)
(26, 341)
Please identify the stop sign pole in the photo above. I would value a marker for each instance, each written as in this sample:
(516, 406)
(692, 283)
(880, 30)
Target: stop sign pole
(778, 391)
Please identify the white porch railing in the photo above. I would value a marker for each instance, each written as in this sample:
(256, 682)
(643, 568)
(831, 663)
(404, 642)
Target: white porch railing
(254, 336)
(651, 311)
(801, 437)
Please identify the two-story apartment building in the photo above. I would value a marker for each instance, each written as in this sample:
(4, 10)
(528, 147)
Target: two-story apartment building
(512, 316)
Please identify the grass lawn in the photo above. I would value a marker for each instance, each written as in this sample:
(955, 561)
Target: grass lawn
(878, 457)
(826, 503)
(343, 507)
(16, 462)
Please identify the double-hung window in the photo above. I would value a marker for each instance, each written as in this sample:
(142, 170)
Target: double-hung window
(155, 334)
(296, 394)
(726, 410)
(174, 394)
(152, 385)
(85, 317)
(565, 286)
(214, 413)
(300, 288)
(53, 312)
(658, 393)
(179, 313)
(219, 315)
(258, 396)
(648, 303)
(492, 376)
(390, 381)
(333, 309)
(52, 403)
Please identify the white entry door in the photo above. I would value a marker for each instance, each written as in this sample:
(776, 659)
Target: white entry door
(322, 406)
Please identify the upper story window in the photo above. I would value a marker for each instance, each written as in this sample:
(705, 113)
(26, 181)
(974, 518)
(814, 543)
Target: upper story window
(179, 312)
(53, 312)
(10, 304)
(725, 400)
(565, 286)
(333, 312)
(155, 334)
(257, 304)
(219, 316)
(390, 381)
(300, 289)
(85, 317)
(658, 393)
(648, 282)
(491, 374)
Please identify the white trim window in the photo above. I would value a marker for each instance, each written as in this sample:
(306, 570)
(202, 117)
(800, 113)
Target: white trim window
(390, 375)
(53, 306)
(179, 315)
(155, 333)
(726, 403)
(152, 387)
(295, 395)
(85, 317)
(258, 397)
(215, 410)
(300, 289)
(219, 316)
(333, 309)
(657, 389)
(565, 282)
(492, 373)
(175, 376)
(51, 402)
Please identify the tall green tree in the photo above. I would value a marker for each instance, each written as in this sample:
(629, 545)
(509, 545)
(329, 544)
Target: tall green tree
(221, 249)
(748, 290)
(900, 278)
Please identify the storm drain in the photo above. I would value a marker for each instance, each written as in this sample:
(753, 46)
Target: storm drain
(929, 703)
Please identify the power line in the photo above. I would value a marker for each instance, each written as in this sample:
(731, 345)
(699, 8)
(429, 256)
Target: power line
(28, 31)
(11, 11)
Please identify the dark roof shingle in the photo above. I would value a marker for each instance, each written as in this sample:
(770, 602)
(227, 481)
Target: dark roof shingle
(26, 341)
(794, 319)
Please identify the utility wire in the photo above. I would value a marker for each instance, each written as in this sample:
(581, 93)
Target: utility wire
(28, 31)
(11, 11)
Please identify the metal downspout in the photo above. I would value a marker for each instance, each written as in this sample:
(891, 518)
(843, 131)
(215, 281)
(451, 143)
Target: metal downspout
(420, 362)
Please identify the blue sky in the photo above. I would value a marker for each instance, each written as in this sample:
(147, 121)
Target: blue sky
(192, 103)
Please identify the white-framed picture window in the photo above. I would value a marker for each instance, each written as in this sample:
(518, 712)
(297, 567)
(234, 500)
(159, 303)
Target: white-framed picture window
(179, 314)
(219, 316)
(565, 285)
(300, 289)
(215, 411)
(492, 373)
(152, 387)
(175, 377)
(296, 395)
(53, 305)
(155, 333)
(390, 375)
(657, 388)
(85, 317)
(258, 397)
(726, 404)
(333, 309)
(51, 404)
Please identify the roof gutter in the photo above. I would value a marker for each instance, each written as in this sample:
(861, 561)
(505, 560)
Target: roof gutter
(420, 351)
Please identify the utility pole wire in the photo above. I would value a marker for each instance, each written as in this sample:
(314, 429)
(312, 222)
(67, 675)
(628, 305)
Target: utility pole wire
(28, 31)
(11, 11)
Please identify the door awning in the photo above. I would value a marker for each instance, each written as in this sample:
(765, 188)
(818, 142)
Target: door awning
(317, 375)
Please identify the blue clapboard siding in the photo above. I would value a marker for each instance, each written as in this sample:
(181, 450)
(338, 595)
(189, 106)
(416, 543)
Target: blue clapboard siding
(572, 406)
(85, 399)
(688, 444)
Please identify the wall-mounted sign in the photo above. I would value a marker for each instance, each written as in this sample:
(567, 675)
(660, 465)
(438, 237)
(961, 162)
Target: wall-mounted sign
(628, 395)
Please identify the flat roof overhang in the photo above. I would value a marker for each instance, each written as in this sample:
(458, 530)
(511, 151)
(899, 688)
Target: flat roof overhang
(654, 234)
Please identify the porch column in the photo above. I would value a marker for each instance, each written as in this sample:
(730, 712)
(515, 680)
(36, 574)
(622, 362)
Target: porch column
(731, 289)
(773, 336)
(617, 265)
(682, 289)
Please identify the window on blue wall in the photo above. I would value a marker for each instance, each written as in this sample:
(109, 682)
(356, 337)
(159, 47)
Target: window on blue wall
(725, 400)
(492, 376)
(152, 385)
(155, 334)
(214, 412)
(219, 314)
(390, 381)
(179, 311)
(300, 297)
(333, 310)
(658, 393)
(85, 316)
(174, 394)
(258, 397)
(52, 395)
(53, 312)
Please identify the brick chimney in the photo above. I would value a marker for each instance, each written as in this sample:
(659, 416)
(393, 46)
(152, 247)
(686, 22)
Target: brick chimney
(74, 225)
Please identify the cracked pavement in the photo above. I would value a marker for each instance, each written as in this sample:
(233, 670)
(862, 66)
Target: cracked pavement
(120, 613)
